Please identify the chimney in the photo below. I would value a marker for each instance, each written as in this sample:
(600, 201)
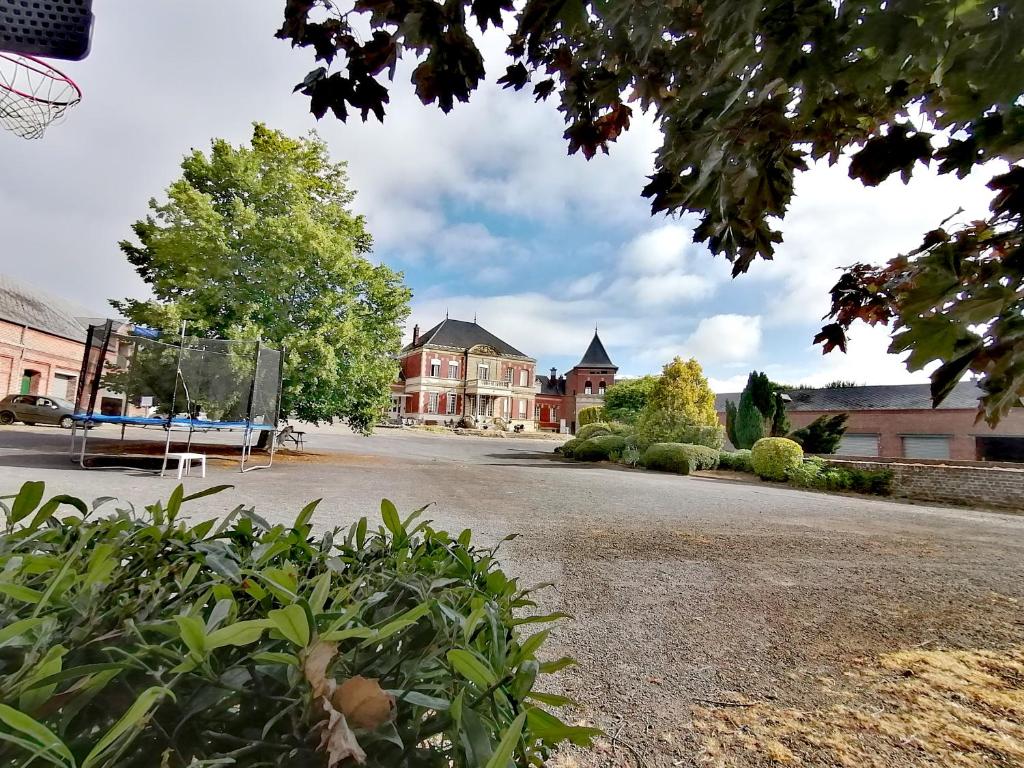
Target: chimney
(553, 377)
(415, 334)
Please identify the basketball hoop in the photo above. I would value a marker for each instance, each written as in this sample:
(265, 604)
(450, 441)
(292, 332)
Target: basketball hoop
(33, 95)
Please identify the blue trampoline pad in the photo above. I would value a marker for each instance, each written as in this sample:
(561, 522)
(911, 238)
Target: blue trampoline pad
(153, 421)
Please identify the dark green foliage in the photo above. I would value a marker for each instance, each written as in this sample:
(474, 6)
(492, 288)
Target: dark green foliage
(590, 415)
(762, 394)
(624, 400)
(780, 419)
(772, 458)
(667, 457)
(140, 640)
(815, 473)
(700, 456)
(749, 422)
(746, 95)
(730, 422)
(659, 425)
(737, 461)
(603, 428)
(568, 447)
(822, 435)
(599, 448)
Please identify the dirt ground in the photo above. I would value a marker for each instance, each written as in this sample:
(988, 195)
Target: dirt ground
(716, 622)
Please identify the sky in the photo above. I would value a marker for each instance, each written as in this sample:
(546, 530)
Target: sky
(482, 210)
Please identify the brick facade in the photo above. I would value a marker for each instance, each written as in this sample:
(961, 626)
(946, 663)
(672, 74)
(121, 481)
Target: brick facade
(42, 363)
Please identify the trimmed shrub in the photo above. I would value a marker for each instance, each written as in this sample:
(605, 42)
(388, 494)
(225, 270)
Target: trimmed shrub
(603, 428)
(773, 457)
(736, 461)
(138, 634)
(701, 457)
(816, 473)
(591, 415)
(568, 447)
(663, 426)
(667, 457)
(599, 448)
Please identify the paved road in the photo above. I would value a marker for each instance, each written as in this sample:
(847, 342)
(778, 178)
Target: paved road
(682, 587)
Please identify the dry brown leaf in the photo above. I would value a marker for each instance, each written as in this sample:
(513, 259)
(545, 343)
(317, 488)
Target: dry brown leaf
(314, 665)
(364, 703)
(337, 738)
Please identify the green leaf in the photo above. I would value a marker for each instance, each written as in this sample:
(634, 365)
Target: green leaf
(33, 696)
(76, 672)
(207, 492)
(422, 700)
(174, 502)
(18, 592)
(273, 657)
(401, 622)
(306, 514)
(548, 667)
(239, 633)
(507, 745)
(541, 619)
(361, 532)
(193, 634)
(467, 664)
(292, 623)
(337, 635)
(392, 521)
(27, 500)
(529, 647)
(18, 628)
(46, 511)
(189, 577)
(551, 699)
(546, 726)
(321, 590)
(36, 732)
(135, 715)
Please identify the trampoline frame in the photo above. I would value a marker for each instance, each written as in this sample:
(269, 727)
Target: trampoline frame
(169, 424)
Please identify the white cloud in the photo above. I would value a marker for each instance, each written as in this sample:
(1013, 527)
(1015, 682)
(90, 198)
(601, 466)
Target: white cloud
(659, 251)
(865, 362)
(726, 339)
(671, 288)
(584, 286)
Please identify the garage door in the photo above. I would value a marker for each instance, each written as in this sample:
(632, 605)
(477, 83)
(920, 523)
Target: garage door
(926, 446)
(63, 386)
(858, 445)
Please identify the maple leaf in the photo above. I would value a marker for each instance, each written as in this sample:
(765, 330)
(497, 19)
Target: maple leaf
(833, 337)
(882, 156)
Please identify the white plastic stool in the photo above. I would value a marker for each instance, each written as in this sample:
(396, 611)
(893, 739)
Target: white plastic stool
(185, 462)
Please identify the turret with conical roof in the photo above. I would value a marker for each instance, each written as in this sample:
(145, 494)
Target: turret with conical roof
(586, 383)
(596, 356)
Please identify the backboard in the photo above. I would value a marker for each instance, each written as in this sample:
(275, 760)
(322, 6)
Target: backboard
(53, 29)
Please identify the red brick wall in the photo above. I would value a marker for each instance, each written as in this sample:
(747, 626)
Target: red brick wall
(577, 379)
(551, 410)
(28, 349)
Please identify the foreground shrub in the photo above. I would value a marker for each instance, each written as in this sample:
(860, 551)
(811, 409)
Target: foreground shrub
(816, 473)
(774, 457)
(822, 435)
(665, 426)
(591, 415)
(603, 428)
(140, 640)
(630, 456)
(701, 457)
(599, 448)
(737, 461)
(667, 457)
(568, 447)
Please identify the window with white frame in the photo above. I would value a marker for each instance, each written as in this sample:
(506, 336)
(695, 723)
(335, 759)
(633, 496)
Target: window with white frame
(453, 370)
(483, 372)
(435, 368)
(451, 404)
(588, 388)
(508, 375)
(600, 388)
(522, 409)
(524, 377)
(536, 412)
(488, 406)
(432, 402)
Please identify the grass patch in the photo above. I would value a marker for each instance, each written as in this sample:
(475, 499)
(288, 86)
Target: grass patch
(913, 708)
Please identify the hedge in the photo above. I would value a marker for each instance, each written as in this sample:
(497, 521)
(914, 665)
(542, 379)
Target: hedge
(737, 461)
(603, 428)
(568, 447)
(774, 457)
(135, 638)
(667, 457)
(816, 473)
(599, 448)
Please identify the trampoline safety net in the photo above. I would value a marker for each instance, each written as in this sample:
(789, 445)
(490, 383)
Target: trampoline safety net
(185, 378)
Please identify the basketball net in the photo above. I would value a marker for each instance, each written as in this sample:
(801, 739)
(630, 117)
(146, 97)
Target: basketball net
(33, 95)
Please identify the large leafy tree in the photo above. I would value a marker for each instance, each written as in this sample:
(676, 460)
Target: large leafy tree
(746, 93)
(259, 242)
(682, 388)
(625, 399)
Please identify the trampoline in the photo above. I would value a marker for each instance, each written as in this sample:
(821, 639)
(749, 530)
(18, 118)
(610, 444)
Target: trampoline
(132, 377)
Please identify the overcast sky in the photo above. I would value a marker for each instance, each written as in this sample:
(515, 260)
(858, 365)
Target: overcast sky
(482, 209)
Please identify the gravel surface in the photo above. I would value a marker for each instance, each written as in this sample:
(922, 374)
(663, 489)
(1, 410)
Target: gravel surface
(683, 589)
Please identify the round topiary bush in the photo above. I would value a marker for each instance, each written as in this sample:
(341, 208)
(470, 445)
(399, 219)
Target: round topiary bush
(599, 448)
(667, 457)
(774, 457)
(737, 461)
(568, 447)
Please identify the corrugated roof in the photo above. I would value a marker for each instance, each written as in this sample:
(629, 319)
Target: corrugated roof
(26, 305)
(881, 397)
(460, 334)
(596, 356)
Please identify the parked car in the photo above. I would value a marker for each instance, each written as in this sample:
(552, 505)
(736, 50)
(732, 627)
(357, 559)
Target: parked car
(36, 409)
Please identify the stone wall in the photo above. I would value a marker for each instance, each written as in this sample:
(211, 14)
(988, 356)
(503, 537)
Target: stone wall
(952, 482)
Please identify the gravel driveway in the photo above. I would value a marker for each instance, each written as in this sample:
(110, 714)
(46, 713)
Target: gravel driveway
(684, 589)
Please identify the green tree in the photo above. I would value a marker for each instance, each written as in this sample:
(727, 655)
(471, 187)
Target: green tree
(258, 242)
(749, 422)
(624, 400)
(822, 435)
(730, 423)
(683, 389)
(746, 93)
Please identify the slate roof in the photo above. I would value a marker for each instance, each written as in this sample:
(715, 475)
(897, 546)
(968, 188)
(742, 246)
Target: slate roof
(460, 334)
(25, 305)
(549, 386)
(596, 356)
(882, 397)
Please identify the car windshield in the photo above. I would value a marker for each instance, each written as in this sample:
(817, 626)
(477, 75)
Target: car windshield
(63, 403)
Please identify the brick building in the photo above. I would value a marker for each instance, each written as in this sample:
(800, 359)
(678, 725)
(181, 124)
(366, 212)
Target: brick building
(458, 369)
(41, 342)
(897, 421)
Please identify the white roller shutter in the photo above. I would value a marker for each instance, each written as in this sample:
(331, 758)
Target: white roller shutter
(858, 445)
(926, 446)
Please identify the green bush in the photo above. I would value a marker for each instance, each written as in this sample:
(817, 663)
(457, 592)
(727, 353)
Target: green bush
(773, 457)
(815, 473)
(599, 448)
(603, 428)
(591, 415)
(737, 461)
(135, 640)
(701, 457)
(665, 426)
(667, 457)
(568, 447)
(630, 456)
